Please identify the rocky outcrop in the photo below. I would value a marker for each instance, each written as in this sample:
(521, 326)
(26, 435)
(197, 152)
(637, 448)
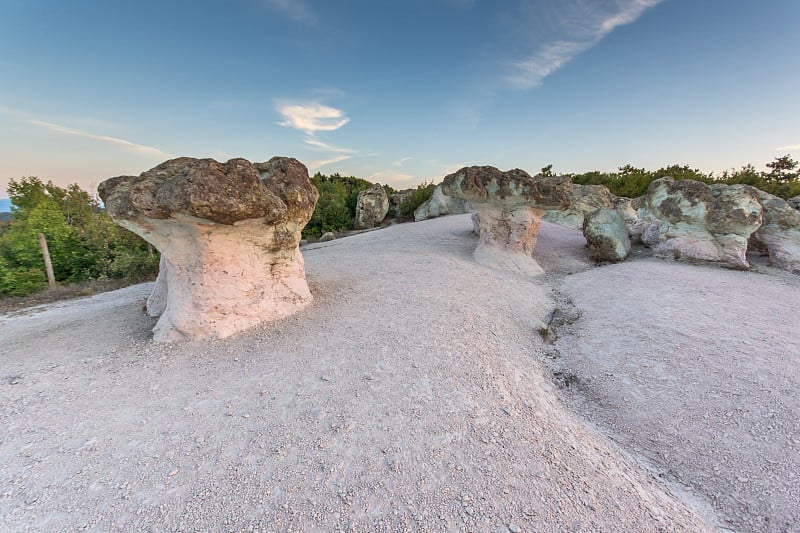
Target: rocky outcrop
(607, 235)
(509, 206)
(794, 202)
(327, 236)
(372, 207)
(583, 199)
(228, 234)
(440, 204)
(690, 220)
(780, 232)
(396, 201)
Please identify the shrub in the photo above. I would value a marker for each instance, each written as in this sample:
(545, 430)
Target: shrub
(415, 199)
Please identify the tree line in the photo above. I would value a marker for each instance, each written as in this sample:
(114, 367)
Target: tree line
(85, 244)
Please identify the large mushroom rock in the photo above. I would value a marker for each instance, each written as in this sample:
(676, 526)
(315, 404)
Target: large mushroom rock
(372, 207)
(439, 204)
(583, 199)
(691, 220)
(780, 232)
(228, 234)
(509, 206)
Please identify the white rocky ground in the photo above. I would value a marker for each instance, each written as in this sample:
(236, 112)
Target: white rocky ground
(414, 394)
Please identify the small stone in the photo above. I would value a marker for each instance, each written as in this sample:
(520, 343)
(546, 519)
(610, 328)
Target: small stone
(173, 473)
(514, 528)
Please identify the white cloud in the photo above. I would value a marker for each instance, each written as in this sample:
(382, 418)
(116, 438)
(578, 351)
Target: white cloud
(311, 117)
(114, 141)
(585, 25)
(788, 148)
(315, 165)
(297, 10)
(400, 162)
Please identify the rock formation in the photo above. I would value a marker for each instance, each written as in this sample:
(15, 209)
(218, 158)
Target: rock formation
(439, 204)
(780, 232)
(228, 234)
(396, 201)
(372, 206)
(607, 235)
(509, 206)
(688, 219)
(583, 199)
(794, 202)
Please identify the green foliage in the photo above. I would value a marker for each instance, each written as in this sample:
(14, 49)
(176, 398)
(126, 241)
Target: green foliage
(133, 263)
(416, 198)
(782, 170)
(84, 243)
(336, 207)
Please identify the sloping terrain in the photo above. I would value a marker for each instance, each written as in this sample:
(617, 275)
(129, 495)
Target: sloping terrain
(411, 395)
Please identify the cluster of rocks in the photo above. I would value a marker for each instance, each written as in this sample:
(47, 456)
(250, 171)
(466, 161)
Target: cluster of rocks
(228, 233)
(690, 220)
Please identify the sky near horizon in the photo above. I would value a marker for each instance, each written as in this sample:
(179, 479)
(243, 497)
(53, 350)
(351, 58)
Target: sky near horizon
(396, 92)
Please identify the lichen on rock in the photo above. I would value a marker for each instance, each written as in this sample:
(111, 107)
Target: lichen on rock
(509, 206)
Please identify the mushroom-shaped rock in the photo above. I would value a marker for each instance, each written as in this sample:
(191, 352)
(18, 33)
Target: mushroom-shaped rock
(509, 206)
(372, 207)
(607, 235)
(688, 219)
(228, 234)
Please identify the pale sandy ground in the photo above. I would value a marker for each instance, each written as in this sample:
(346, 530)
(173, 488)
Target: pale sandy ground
(415, 394)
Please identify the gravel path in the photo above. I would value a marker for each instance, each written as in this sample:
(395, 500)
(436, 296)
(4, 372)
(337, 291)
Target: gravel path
(697, 370)
(410, 396)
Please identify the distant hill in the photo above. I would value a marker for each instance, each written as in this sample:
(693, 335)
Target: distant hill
(5, 210)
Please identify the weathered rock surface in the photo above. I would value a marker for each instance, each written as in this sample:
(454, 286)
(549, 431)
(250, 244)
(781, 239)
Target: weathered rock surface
(607, 235)
(396, 201)
(688, 219)
(794, 202)
(780, 232)
(583, 199)
(228, 234)
(509, 206)
(440, 204)
(372, 207)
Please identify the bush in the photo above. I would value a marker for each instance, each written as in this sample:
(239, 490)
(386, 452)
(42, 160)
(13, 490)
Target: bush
(21, 281)
(415, 199)
(134, 264)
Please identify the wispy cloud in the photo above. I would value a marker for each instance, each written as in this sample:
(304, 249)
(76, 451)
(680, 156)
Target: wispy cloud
(400, 162)
(315, 165)
(311, 117)
(788, 148)
(585, 25)
(328, 147)
(297, 10)
(114, 141)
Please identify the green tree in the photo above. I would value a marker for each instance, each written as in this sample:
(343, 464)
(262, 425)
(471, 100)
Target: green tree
(782, 170)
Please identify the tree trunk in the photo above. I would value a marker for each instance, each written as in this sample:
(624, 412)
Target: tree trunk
(48, 265)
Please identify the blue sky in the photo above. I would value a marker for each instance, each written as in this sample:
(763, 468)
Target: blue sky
(396, 91)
